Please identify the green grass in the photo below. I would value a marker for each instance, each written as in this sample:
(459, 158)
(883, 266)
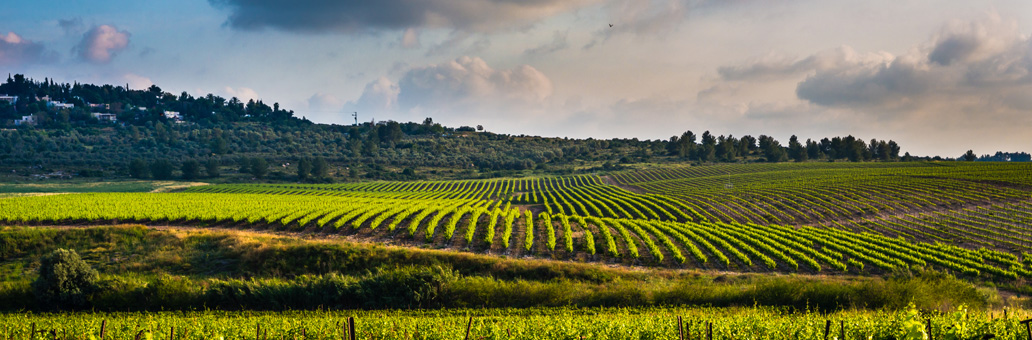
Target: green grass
(79, 186)
(147, 269)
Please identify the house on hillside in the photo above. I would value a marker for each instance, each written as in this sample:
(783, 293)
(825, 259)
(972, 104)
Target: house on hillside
(25, 120)
(10, 99)
(174, 116)
(105, 116)
(60, 105)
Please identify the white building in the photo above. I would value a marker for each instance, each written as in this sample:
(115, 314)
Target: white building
(60, 105)
(105, 116)
(9, 99)
(25, 120)
(173, 115)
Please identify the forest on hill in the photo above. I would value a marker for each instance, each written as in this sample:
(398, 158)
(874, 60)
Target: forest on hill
(84, 130)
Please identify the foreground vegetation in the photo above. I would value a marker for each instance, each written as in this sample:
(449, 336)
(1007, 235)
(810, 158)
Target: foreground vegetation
(562, 323)
(147, 269)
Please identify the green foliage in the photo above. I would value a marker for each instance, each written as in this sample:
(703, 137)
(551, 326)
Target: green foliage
(191, 169)
(412, 287)
(161, 169)
(65, 280)
(138, 169)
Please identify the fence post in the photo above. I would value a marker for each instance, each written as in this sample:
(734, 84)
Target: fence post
(258, 331)
(468, 326)
(103, 324)
(171, 332)
(930, 336)
(827, 328)
(842, 330)
(709, 330)
(680, 328)
(32, 335)
(351, 327)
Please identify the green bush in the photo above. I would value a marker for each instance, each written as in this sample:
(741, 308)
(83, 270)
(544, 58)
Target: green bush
(411, 287)
(65, 280)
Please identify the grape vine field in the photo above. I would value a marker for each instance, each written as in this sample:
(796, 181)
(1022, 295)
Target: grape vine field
(970, 219)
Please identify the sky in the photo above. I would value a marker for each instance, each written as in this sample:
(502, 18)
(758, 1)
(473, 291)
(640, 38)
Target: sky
(939, 77)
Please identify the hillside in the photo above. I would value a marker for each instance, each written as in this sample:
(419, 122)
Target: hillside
(968, 219)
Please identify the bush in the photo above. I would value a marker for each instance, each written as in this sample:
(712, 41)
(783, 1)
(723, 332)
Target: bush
(65, 280)
(412, 287)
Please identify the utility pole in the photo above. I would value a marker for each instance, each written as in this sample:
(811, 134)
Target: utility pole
(355, 115)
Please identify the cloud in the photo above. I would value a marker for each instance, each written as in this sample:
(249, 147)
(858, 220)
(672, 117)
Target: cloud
(381, 95)
(242, 93)
(136, 81)
(16, 51)
(466, 86)
(456, 43)
(410, 39)
(558, 43)
(985, 60)
(101, 44)
(773, 66)
(325, 102)
(351, 16)
(73, 26)
(653, 18)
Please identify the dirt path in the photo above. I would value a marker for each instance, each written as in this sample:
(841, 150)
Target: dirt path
(610, 181)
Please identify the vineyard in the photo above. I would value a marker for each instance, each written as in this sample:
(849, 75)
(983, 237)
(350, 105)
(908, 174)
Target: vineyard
(623, 323)
(972, 220)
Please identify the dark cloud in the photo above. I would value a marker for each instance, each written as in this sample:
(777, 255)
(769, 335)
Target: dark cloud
(101, 44)
(973, 61)
(73, 26)
(557, 44)
(16, 51)
(349, 16)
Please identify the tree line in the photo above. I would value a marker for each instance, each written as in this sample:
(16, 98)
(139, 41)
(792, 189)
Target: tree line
(710, 148)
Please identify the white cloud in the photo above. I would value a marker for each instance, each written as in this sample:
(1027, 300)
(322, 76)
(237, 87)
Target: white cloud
(136, 81)
(410, 39)
(16, 51)
(102, 43)
(242, 93)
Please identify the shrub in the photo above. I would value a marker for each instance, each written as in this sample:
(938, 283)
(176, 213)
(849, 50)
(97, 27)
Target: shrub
(412, 287)
(65, 280)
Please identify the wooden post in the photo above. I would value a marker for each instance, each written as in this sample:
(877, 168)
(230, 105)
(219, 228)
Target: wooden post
(1028, 327)
(258, 331)
(842, 330)
(930, 337)
(103, 324)
(508, 332)
(827, 328)
(139, 335)
(351, 328)
(171, 332)
(688, 330)
(32, 335)
(468, 326)
(709, 330)
(680, 328)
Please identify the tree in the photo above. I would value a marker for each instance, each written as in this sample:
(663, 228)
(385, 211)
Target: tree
(259, 167)
(65, 280)
(211, 167)
(161, 169)
(138, 169)
(709, 147)
(320, 168)
(219, 146)
(191, 169)
(970, 156)
(304, 168)
(796, 150)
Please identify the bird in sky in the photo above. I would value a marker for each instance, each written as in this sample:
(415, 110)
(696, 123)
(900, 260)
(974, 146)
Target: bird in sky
(610, 25)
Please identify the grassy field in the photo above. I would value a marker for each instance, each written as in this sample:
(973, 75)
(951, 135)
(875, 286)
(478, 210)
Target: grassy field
(79, 186)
